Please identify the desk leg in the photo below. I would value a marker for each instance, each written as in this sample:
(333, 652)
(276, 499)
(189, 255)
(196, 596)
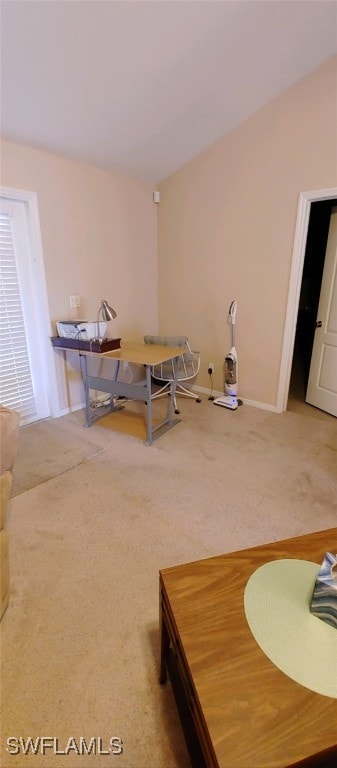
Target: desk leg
(149, 406)
(84, 363)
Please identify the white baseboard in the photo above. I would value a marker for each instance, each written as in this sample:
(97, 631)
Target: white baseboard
(66, 411)
(202, 390)
(245, 400)
(262, 406)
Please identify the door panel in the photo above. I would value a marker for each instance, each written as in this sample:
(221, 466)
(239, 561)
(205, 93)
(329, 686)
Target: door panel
(322, 383)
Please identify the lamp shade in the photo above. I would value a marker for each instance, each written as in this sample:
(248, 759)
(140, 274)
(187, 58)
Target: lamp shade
(108, 313)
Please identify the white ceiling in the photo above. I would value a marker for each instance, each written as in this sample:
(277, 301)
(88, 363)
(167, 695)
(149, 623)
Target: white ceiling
(141, 86)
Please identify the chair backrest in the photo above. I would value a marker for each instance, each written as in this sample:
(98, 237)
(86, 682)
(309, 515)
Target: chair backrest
(187, 364)
(172, 341)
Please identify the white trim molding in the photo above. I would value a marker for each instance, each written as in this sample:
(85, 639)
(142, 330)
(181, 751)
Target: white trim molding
(30, 198)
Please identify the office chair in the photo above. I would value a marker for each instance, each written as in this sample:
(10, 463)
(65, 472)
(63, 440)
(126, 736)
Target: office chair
(164, 373)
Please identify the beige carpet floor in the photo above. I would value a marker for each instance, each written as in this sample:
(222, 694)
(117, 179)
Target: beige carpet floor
(44, 453)
(96, 514)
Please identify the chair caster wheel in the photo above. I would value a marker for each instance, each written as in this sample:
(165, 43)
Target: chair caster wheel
(176, 410)
(198, 400)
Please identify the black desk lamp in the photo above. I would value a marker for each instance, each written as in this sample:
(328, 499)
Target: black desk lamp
(107, 314)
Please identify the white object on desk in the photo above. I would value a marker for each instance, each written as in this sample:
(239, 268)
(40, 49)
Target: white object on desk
(80, 329)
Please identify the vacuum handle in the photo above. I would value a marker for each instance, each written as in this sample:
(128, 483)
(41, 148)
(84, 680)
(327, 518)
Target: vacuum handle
(232, 311)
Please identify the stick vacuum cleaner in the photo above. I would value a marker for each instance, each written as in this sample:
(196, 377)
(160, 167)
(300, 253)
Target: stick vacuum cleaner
(230, 397)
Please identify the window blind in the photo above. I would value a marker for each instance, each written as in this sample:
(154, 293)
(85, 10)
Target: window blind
(16, 386)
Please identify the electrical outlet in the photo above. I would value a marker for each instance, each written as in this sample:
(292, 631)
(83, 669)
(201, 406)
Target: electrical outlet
(211, 367)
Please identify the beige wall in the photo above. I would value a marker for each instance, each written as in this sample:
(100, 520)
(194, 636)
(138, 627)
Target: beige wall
(226, 225)
(99, 240)
(226, 231)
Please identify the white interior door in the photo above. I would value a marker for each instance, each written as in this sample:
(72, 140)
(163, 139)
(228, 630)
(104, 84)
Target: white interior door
(322, 383)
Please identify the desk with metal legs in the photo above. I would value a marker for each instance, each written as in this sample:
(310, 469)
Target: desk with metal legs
(146, 355)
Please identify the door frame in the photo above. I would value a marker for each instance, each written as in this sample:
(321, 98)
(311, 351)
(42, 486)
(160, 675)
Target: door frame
(295, 282)
(31, 202)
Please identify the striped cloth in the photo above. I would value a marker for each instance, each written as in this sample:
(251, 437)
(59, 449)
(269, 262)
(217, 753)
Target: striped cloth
(324, 597)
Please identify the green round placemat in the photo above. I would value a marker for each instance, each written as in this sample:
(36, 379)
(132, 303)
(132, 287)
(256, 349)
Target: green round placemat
(277, 605)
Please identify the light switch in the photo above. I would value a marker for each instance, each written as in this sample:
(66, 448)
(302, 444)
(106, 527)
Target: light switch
(74, 301)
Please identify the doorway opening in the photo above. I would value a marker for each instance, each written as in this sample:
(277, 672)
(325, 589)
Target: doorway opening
(306, 201)
(318, 229)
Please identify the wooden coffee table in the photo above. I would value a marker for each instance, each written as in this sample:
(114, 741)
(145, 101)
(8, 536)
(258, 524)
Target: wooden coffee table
(246, 712)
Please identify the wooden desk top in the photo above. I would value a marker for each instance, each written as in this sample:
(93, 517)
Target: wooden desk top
(133, 352)
(255, 715)
(144, 354)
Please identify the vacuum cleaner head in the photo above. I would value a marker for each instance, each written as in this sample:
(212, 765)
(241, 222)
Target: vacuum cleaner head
(227, 401)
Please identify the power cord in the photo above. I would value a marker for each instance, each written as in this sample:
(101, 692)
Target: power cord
(211, 397)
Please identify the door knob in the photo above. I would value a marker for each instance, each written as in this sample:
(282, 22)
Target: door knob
(318, 323)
